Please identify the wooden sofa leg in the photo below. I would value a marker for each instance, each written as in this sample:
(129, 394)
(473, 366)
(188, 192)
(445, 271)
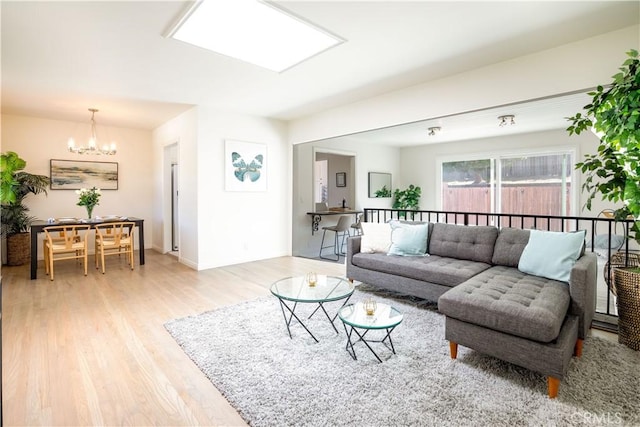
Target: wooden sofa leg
(578, 349)
(552, 385)
(453, 347)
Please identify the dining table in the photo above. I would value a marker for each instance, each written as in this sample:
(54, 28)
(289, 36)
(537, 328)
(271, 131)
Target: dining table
(38, 227)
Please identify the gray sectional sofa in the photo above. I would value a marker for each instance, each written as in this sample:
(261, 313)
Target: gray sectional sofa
(490, 305)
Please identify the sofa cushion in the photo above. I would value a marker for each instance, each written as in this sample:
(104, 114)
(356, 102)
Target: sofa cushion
(551, 254)
(474, 243)
(507, 300)
(509, 246)
(434, 269)
(376, 237)
(408, 239)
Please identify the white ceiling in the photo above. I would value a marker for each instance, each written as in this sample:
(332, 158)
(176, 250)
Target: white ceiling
(60, 58)
(530, 116)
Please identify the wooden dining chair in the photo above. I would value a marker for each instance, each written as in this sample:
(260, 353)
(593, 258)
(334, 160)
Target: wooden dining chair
(64, 242)
(114, 238)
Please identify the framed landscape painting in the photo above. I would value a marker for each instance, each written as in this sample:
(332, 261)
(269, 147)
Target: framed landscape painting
(76, 174)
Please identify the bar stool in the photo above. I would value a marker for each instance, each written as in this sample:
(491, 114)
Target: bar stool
(341, 230)
(357, 226)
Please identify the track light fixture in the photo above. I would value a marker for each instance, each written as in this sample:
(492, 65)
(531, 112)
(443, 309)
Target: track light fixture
(508, 119)
(434, 130)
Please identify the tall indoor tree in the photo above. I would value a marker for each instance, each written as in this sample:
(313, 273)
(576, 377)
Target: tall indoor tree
(614, 173)
(614, 115)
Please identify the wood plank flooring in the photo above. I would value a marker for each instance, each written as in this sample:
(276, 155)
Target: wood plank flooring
(93, 350)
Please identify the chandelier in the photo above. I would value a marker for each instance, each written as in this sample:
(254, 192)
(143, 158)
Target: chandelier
(92, 146)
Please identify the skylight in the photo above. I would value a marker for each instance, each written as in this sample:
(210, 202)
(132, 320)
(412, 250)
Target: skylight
(252, 31)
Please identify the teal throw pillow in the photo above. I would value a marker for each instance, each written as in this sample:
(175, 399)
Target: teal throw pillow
(551, 254)
(408, 239)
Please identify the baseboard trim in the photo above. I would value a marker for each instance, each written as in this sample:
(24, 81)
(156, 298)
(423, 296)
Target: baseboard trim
(605, 326)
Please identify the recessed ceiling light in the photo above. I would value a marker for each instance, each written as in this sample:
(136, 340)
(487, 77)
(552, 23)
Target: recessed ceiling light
(252, 31)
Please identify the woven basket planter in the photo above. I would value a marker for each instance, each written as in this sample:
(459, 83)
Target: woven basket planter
(619, 260)
(627, 282)
(18, 249)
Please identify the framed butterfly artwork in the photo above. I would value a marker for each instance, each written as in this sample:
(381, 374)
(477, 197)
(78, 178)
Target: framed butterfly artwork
(245, 166)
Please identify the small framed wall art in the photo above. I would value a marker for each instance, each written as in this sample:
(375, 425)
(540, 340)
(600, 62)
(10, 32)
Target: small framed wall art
(245, 166)
(341, 179)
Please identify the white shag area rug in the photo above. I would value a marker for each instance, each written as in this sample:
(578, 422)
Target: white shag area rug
(273, 380)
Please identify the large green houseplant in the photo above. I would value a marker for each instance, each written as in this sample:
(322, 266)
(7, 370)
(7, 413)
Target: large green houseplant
(614, 115)
(15, 185)
(614, 173)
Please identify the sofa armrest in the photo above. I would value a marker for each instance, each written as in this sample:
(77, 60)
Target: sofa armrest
(353, 246)
(582, 287)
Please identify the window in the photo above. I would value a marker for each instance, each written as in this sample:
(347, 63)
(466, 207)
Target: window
(537, 184)
(468, 186)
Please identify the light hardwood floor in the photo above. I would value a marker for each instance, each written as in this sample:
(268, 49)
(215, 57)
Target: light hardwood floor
(93, 350)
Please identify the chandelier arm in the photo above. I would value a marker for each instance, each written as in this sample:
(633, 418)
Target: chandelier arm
(93, 147)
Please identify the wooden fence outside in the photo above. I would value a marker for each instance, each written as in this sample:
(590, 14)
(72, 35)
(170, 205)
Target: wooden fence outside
(523, 198)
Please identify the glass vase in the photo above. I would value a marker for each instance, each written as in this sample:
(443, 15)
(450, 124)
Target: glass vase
(89, 212)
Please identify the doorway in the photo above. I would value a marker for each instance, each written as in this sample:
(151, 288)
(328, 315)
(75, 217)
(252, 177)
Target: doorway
(334, 179)
(174, 207)
(170, 200)
(320, 190)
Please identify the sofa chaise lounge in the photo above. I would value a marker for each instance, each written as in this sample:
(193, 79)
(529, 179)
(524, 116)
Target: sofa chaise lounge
(491, 305)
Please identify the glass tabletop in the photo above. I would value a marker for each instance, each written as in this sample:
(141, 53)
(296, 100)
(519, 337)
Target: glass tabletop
(384, 316)
(327, 288)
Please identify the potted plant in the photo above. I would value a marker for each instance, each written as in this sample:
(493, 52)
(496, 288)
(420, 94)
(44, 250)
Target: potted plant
(407, 199)
(614, 173)
(15, 185)
(614, 115)
(90, 198)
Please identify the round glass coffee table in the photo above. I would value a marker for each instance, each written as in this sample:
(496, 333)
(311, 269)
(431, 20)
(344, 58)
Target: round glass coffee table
(356, 318)
(298, 290)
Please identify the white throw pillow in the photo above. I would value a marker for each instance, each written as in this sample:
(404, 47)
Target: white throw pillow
(376, 237)
(551, 254)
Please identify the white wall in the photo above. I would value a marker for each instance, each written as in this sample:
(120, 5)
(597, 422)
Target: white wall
(218, 227)
(568, 68)
(235, 227)
(39, 140)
